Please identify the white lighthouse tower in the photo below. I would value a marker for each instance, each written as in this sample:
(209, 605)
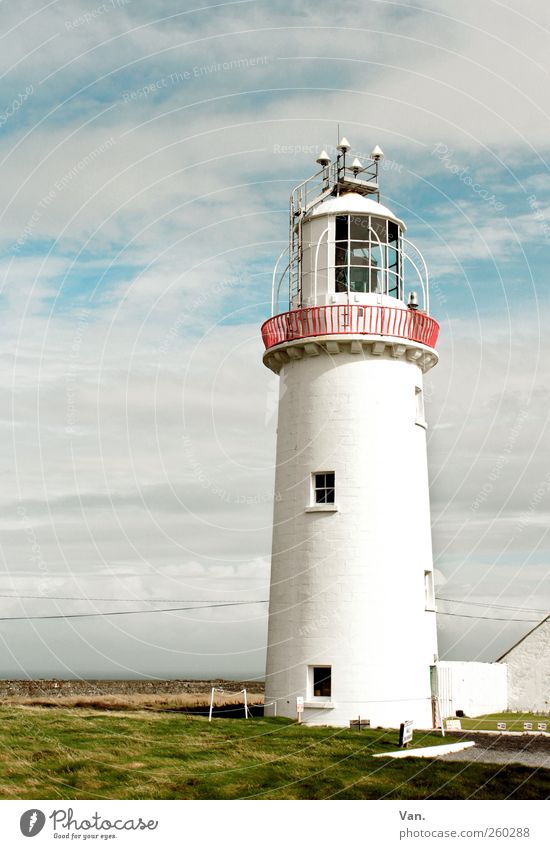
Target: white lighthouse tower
(352, 626)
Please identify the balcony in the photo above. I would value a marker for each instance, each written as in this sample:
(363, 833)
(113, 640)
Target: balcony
(351, 320)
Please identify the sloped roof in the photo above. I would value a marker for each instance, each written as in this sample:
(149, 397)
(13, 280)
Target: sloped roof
(528, 634)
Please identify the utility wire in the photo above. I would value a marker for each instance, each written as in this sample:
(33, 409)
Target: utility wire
(492, 604)
(122, 612)
(248, 601)
(209, 604)
(493, 618)
(134, 600)
(213, 607)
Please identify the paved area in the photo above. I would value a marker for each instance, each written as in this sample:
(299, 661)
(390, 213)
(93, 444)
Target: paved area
(529, 750)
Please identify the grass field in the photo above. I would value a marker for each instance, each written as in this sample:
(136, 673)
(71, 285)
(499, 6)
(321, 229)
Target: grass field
(514, 721)
(83, 754)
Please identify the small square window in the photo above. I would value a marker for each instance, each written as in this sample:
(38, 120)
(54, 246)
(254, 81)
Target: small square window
(323, 488)
(321, 681)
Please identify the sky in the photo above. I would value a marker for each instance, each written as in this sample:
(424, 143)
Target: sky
(147, 152)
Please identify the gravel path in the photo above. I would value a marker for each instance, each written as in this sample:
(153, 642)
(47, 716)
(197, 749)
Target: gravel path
(526, 749)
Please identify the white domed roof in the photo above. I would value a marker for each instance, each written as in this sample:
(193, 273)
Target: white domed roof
(353, 203)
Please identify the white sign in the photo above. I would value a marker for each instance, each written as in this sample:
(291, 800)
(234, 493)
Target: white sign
(541, 726)
(299, 704)
(453, 725)
(527, 726)
(406, 732)
(501, 726)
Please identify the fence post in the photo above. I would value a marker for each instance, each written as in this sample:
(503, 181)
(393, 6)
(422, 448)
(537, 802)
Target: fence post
(211, 704)
(245, 705)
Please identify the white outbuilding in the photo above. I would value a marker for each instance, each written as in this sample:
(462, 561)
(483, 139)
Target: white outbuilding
(528, 669)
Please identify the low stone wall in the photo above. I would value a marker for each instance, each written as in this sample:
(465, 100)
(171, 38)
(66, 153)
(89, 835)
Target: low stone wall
(95, 687)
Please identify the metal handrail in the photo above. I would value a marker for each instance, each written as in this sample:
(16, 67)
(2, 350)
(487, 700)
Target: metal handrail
(382, 268)
(321, 237)
(275, 296)
(424, 279)
(350, 319)
(418, 263)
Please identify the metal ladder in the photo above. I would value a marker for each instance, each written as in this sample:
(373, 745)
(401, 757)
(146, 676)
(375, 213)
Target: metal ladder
(295, 249)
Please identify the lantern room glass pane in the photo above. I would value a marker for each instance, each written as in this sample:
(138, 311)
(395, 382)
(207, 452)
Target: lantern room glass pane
(366, 255)
(393, 284)
(341, 236)
(341, 254)
(379, 227)
(359, 228)
(394, 264)
(341, 230)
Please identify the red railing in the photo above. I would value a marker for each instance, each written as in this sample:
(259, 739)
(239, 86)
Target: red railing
(349, 319)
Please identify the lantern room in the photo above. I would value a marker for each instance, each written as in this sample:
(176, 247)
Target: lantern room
(351, 247)
(345, 246)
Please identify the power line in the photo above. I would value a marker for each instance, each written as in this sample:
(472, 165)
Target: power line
(249, 601)
(491, 604)
(134, 600)
(212, 605)
(493, 618)
(123, 612)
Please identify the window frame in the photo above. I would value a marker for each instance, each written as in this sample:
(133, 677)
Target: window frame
(329, 489)
(323, 506)
(383, 242)
(311, 682)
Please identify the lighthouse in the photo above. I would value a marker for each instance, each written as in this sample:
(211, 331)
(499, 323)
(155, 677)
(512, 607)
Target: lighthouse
(352, 623)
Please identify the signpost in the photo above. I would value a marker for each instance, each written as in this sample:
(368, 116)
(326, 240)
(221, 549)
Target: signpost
(405, 733)
(299, 707)
(359, 723)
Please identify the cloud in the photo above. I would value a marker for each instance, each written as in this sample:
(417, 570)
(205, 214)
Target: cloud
(146, 176)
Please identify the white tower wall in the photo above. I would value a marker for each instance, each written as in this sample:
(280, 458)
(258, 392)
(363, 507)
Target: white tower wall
(348, 584)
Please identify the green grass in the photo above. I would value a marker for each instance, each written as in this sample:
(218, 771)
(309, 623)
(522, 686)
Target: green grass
(80, 754)
(514, 721)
